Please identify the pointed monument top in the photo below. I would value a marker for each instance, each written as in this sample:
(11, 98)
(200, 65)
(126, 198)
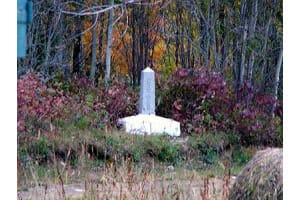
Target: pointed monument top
(148, 69)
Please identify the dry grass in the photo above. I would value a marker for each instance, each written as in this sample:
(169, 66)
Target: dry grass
(127, 181)
(261, 178)
(131, 167)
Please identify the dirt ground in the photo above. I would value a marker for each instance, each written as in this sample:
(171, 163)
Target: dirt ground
(195, 188)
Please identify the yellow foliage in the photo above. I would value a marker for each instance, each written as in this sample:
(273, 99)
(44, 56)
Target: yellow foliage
(159, 50)
(121, 57)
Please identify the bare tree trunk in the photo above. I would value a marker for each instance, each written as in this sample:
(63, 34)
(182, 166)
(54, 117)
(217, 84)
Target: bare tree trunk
(213, 34)
(134, 41)
(207, 38)
(141, 48)
(177, 47)
(243, 56)
(276, 80)
(32, 50)
(48, 46)
(51, 62)
(78, 49)
(202, 14)
(250, 66)
(61, 45)
(189, 45)
(241, 67)
(61, 55)
(109, 42)
(181, 58)
(94, 46)
(251, 37)
(235, 61)
(224, 41)
(100, 71)
(182, 50)
(264, 51)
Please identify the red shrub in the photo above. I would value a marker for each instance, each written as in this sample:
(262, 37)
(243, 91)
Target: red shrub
(118, 101)
(196, 98)
(36, 102)
(202, 102)
(69, 102)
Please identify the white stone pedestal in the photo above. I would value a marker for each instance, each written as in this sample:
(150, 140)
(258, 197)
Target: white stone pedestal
(142, 124)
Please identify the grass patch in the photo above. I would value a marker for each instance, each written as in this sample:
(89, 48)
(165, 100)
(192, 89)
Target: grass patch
(92, 149)
(122, 163)
(74, 143)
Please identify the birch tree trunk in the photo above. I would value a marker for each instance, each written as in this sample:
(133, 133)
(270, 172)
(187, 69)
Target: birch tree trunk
(223, 56)
(243, 33)
(94, 46)
(109, 43)
(276, 81)
(264, 52)
(48, 45)
(251, 37)
(243, 56)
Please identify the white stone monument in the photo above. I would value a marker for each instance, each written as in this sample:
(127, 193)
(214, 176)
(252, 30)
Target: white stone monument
(147, 92)
(146, 122)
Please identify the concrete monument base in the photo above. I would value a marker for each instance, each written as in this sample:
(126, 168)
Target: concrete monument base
(145, 124)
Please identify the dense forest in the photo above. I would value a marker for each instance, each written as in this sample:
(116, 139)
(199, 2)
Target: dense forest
(105, 39)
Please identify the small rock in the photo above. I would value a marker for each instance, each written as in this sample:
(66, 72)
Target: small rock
(170, 168)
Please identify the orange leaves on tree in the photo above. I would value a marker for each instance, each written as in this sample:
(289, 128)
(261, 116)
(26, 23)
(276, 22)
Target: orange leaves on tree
(158, 52)
(121, 53)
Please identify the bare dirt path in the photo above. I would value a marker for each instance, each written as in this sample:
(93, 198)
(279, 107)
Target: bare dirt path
(211, 188)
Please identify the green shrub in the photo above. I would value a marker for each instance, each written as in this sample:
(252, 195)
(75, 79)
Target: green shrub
(169, 153)
(240, 155)
(211, 146)
(82, 123)
(39, 149)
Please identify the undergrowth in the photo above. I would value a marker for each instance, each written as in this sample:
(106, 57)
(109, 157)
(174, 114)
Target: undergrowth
(68, 129)
(166, 168)
(199, 99)
(203, 102)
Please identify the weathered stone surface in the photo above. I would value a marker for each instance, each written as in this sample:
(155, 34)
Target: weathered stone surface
(147, 92)
(150, 125)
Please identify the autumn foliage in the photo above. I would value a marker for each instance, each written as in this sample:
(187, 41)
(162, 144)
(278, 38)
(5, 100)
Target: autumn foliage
(37, 103)
(200, 99)
(47, 106)
(202, 102)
